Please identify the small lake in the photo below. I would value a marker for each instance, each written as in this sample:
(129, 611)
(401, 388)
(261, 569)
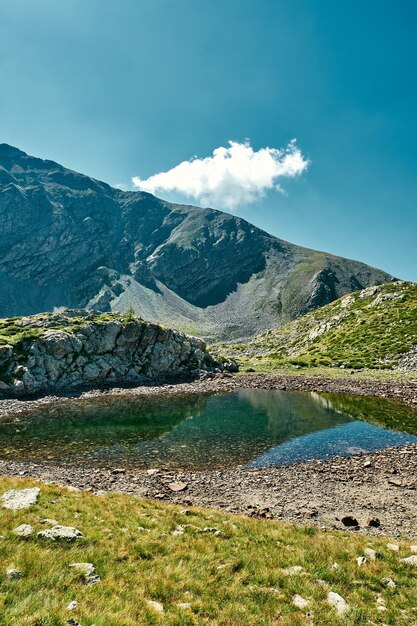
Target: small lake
(247, 427)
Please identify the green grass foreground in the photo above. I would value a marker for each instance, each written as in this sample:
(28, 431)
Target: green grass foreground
(232, 578)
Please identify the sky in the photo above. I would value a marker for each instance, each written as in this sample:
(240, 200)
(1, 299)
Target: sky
(298, 116)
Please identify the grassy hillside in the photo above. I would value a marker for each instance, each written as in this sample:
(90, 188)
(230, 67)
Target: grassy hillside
(148, 552)
(373, 328)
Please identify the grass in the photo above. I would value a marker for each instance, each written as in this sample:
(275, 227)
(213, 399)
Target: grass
(229, 579)
(16, 330)
(370, 329)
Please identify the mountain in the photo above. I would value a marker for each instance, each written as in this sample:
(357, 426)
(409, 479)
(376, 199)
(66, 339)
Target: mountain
(68, 240)
(372, 328)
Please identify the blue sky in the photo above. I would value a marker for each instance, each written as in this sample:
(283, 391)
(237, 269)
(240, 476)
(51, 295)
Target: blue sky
(123, 88)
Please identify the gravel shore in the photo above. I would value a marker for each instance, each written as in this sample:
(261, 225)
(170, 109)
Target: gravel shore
(381, 485)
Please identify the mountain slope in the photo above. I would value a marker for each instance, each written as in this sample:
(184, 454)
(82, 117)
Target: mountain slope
(69, 240)
(375, 328)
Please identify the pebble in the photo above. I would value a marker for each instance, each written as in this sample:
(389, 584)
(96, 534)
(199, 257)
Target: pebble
(24, 530)
(337, 602)
(393, 546)
(156, 606)
(361, 560)
(410, 560)
(178, 486)
(294, 569)
(72, 605)
(13, 573)
(86, 569)
(370, 553)
(300, 602)
(388, 582)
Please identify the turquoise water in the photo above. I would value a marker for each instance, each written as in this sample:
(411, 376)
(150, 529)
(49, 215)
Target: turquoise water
(245, 427)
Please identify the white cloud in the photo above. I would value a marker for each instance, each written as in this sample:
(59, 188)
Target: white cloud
(233, 176)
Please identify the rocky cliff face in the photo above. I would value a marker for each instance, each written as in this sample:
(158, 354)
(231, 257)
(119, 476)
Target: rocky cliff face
(68, 240)
(78, 348)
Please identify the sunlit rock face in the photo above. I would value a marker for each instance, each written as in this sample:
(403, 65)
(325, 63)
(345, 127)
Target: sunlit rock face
(79, 348)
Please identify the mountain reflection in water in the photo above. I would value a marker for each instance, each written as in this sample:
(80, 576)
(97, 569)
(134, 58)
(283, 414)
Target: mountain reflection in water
(249, 426)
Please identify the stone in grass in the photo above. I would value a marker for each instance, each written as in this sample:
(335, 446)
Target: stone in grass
(361, 560)
(183, 605)
(72, 605)
(393, 546)
(24, 530)
(92, 580)
(294, 569)
(13, 574)
(371, 554)
(72, 622)
(300, 602)
(410, 560)
(413, 548)
(86, 569)
(337, 602)
(48, 520)
(156, 606)
(20, 498)
(61, 533)
(388, 582)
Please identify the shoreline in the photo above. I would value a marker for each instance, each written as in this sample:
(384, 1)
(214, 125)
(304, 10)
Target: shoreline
(377, 485)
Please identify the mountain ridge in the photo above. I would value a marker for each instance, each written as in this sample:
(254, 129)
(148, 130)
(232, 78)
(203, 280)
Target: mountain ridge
(73, 241)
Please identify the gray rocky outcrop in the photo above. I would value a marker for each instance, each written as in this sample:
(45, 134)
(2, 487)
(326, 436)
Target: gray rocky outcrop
(81, 348)
(15, 499)
(61, 533)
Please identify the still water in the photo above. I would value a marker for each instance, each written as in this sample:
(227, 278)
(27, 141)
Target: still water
(246, 427)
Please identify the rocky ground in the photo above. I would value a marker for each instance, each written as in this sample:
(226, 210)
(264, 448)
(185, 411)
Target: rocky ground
(376, 493)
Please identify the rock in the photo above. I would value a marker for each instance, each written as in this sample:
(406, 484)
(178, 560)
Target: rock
(300, 602)
(413, 548)
(373, 522)
(24, 530)
(61, 533)
(388, 582)
(178, 486)
(13, 573)
(152, 471)
(92, 580)
(210, 529)
(47, 520)
(370, 553)
(20, 498)
(86, 569)
(72, 605)
(118, 470)
(337, 602)
(393, 546)
(156, 606)
(183, 605)
(410, 560)
(294, 569)
(361, 560)
(72, 622)
(349, 521)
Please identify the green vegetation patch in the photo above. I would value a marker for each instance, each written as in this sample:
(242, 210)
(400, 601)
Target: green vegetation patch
(371, 329)
(203, 567)
(16, 330)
